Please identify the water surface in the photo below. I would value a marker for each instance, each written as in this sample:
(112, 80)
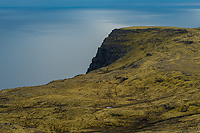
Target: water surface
(40, 45)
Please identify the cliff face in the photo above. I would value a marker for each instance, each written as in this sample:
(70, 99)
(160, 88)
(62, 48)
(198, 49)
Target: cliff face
(111, 50)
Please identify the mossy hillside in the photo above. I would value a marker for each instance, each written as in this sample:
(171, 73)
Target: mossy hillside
(154, 85)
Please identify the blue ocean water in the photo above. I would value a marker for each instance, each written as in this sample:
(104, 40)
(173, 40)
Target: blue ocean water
(38, 45)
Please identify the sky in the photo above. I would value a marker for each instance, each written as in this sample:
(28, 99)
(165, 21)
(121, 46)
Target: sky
(96, 3)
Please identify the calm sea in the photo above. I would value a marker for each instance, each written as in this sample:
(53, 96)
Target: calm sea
(40, 45)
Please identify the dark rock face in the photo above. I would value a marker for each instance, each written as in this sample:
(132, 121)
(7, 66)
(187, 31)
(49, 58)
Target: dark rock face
(111, 50)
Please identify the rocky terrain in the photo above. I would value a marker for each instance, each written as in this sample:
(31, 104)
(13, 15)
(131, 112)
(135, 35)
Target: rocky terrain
(109, 51)
(142, 79)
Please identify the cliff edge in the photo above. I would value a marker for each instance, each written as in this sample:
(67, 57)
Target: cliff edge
(111, 50)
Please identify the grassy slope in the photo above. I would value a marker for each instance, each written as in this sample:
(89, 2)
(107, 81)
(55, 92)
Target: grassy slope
(155, 86)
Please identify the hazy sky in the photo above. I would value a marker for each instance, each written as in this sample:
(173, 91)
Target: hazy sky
(95, 3)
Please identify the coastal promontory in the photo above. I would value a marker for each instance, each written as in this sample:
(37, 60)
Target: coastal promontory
(142, 79)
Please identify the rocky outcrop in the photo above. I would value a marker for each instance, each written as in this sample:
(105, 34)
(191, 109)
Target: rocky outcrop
(113, 46)
(111, 50)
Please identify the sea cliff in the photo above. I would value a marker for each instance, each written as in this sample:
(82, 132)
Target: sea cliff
(111, 50)
(142, 79)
